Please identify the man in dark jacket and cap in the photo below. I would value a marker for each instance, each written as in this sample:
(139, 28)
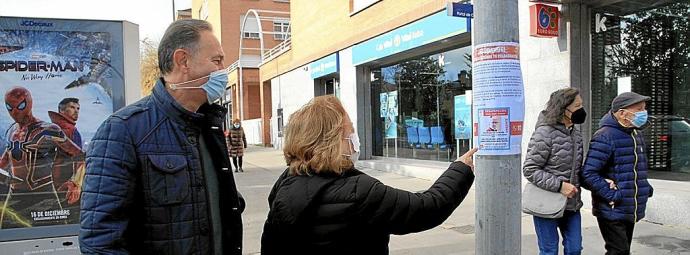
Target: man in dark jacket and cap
(616, 171)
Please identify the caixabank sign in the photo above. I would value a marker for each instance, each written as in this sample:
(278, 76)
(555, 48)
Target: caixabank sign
(543, 20)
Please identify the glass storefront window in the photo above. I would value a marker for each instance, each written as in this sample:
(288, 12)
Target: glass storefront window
(648, 52)
(420, 107)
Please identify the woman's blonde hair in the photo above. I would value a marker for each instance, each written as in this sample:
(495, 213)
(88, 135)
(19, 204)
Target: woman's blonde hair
(313, 138)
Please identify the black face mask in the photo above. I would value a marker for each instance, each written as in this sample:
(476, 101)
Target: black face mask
(578, 116)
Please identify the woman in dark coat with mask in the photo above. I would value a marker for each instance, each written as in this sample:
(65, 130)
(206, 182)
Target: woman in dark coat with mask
(321, 204)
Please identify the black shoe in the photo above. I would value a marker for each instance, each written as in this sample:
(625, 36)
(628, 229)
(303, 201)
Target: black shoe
(241, 170)
(236, 170)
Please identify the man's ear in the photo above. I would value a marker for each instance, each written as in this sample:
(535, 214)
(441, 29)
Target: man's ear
(181, 60)
(620, 113)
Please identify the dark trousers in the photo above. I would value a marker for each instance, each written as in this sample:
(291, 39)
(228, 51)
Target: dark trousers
(617, 235)
(237, 161)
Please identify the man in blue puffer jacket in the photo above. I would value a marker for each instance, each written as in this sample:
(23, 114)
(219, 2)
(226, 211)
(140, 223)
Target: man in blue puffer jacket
(616, 171)
(158, 177)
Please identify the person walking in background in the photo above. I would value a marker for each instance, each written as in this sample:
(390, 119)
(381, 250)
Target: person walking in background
(321, 204)
(237, 142)
(553, 162)
(616, 171)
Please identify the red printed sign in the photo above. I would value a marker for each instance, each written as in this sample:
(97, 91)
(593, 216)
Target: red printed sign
(516, 128)
(543, 20)
(495, 112)
(499, 52)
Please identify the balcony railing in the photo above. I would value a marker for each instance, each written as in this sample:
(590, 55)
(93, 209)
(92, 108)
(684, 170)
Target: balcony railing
(234, 66)
(277, 51)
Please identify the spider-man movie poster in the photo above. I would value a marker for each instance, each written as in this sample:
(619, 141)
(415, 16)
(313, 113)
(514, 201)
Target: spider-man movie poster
(56, 80)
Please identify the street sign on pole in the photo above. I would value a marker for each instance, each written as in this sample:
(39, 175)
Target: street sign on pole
(460, 10)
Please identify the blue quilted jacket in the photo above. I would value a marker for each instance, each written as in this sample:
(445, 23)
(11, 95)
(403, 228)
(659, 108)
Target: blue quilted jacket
(617, 153)
(145, 191)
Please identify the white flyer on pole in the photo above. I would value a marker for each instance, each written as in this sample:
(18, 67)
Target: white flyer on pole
(498, 98)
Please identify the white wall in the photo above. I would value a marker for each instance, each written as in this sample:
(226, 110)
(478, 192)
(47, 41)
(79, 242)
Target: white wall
(290, 91)
(545, 68)
(252, 131)
(130, 38)
(294, 89)
(348, 84)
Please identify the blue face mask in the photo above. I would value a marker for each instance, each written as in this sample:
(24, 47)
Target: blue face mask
(640, 118)
(214, 87)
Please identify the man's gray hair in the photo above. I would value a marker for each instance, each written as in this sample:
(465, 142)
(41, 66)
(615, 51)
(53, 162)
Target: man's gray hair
(181, 34)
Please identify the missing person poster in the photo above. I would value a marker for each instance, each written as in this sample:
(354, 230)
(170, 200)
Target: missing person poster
(498, 98)
(57, 80)
(494, 129)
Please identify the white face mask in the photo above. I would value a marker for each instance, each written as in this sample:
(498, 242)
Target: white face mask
(354, 141)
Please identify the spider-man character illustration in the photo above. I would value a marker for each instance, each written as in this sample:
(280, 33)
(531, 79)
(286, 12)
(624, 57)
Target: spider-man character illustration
(28, 162)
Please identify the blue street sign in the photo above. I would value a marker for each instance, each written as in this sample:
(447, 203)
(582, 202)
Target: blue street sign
(460, 10)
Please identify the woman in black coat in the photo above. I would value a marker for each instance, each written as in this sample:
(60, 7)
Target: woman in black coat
(321, 204)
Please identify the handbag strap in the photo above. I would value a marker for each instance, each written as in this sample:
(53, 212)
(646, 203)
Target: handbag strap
(572, 166)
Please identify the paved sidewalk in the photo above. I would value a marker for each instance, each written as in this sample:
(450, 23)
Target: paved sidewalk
(455, 235)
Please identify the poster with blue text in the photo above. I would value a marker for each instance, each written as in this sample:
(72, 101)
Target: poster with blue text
(462, 122)
(391, 115)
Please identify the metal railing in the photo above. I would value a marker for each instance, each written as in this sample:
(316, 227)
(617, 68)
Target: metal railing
(277, 51)
(233, 66)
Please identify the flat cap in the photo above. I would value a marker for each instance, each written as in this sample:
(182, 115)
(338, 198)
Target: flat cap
(627, 99)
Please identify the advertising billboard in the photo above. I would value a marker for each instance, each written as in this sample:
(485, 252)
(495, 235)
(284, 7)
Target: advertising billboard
(389, 111)
(462, 121)
(59, 80)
